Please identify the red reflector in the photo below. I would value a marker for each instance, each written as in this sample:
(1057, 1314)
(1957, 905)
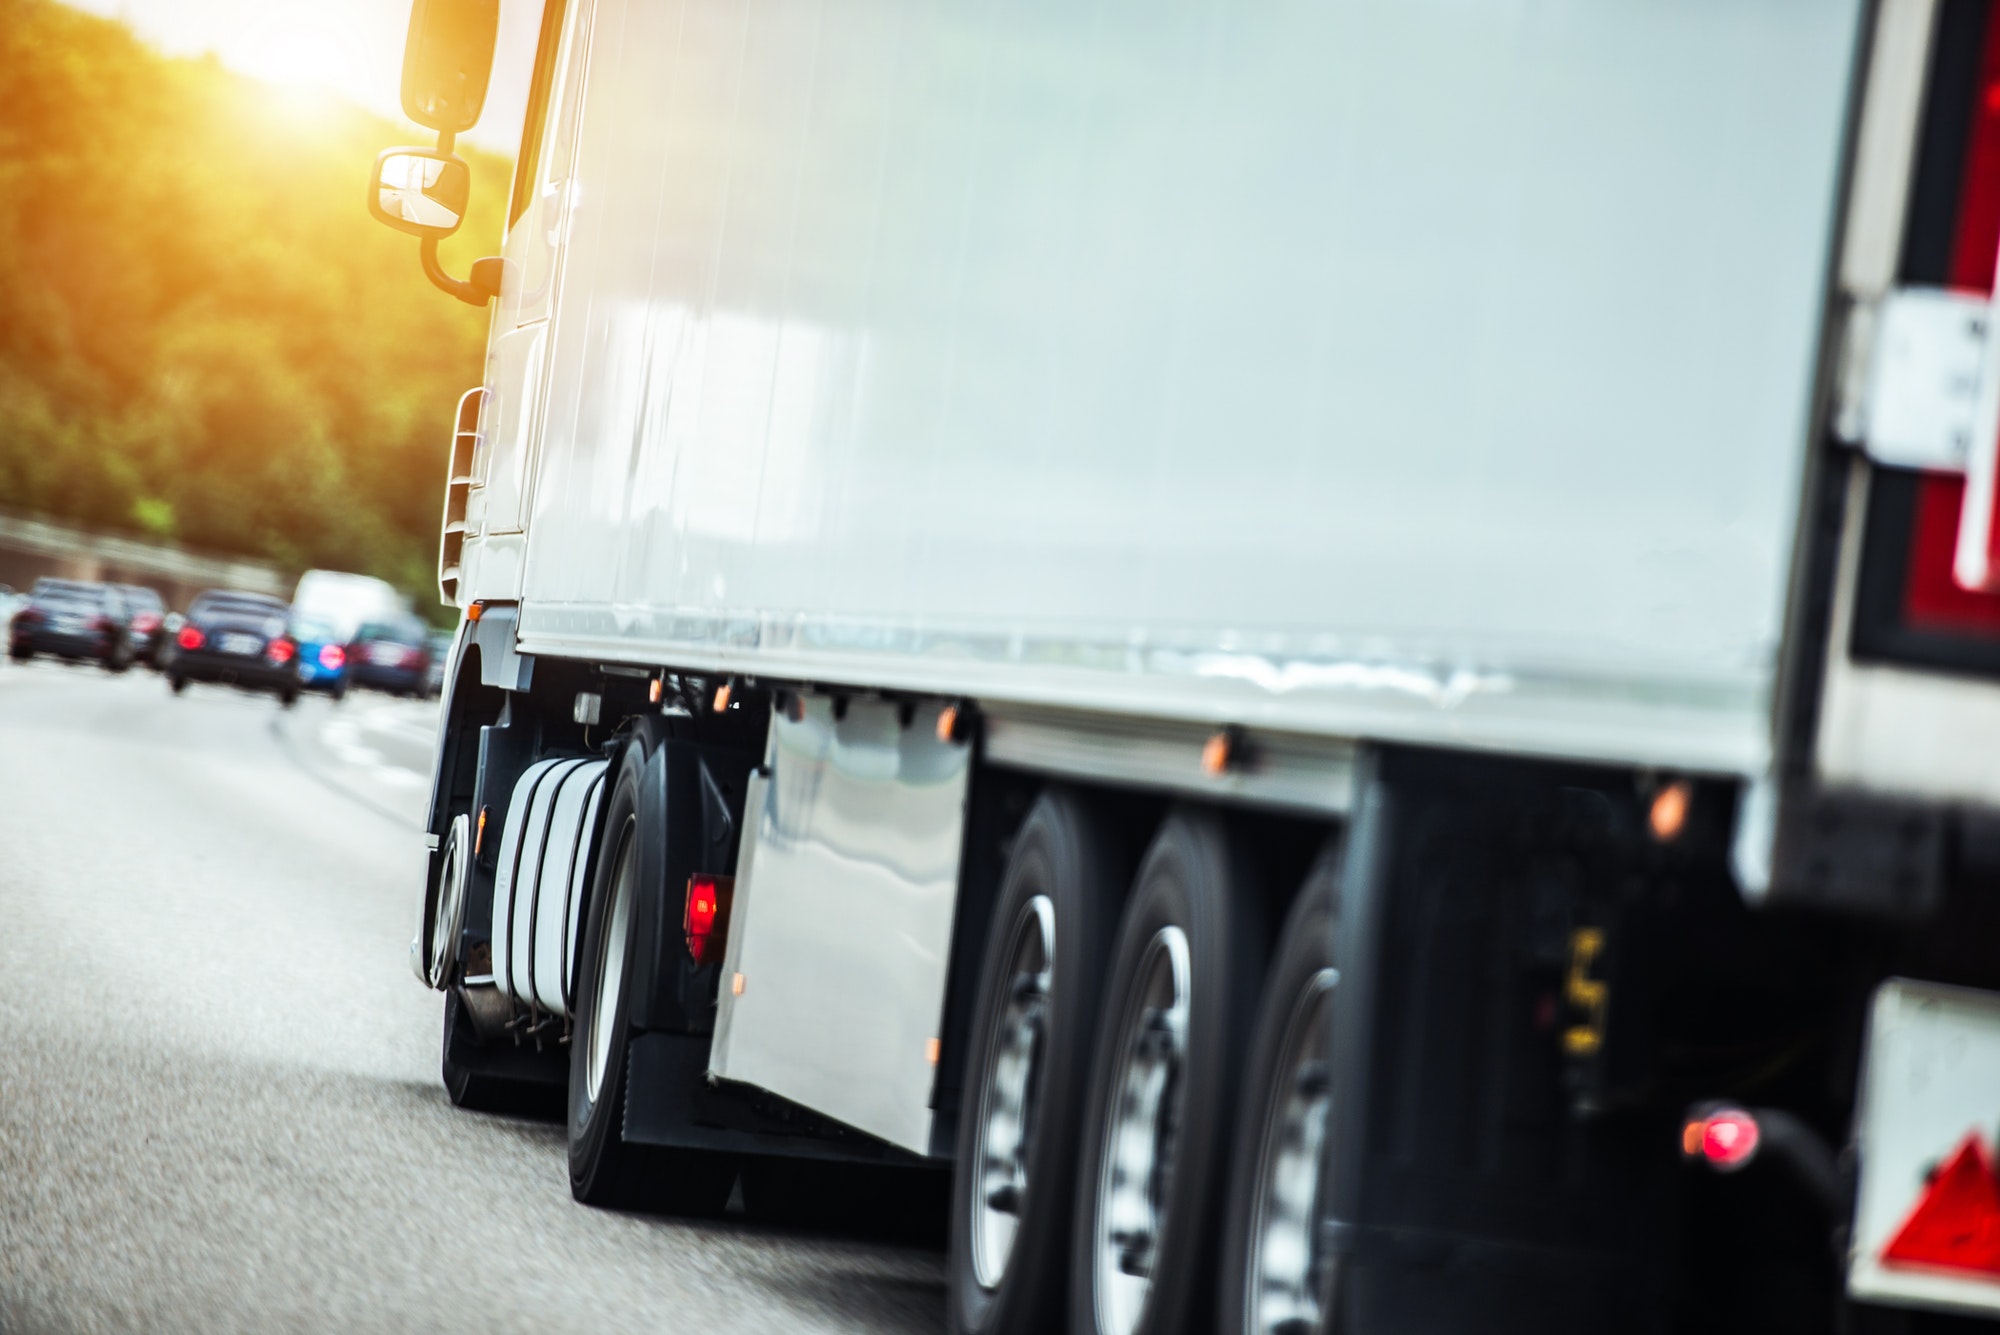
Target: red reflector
(1726, 1139)
(1956, 1222)
(191, 638)
(706, 918)
(331, 657)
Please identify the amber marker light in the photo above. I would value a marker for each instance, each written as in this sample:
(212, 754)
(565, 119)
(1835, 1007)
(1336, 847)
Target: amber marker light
(722, 697)
(1217, 753)
(479, 834)
(736, 985)
(476, 611)
(1670, 811)
(653, 689)
(947, 724)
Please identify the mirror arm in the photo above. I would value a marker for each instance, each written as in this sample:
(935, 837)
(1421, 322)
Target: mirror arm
(485, 282)
(483, 286)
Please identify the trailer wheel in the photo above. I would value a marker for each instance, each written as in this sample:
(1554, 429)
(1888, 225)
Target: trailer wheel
(1029, 1070)
(603, 1169)
(1274, 1264)
(1164, 1085)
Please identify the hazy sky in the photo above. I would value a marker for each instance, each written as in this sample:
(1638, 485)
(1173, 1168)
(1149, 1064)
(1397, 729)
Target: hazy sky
(353, 48)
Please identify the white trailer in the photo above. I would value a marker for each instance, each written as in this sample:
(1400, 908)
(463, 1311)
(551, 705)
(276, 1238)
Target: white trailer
(1337, 649)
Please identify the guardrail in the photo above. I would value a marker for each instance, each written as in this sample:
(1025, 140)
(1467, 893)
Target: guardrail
(32, 546)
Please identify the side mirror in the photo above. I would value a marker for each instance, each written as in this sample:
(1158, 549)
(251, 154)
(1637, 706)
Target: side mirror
(447, 62)
(420, 191)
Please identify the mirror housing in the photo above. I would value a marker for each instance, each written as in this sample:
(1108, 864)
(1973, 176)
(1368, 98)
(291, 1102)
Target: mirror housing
(421, 191)
(447, 62)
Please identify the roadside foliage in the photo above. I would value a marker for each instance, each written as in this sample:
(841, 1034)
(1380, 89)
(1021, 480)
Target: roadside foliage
(203, 336)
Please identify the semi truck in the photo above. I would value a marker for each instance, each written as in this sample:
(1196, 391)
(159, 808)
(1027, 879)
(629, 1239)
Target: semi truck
(1318, 665)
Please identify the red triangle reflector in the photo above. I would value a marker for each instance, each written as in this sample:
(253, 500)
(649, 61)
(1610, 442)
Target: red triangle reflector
(1956, 1222)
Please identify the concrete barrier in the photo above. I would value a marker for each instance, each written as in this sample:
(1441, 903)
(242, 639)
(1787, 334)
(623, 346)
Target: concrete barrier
(31, 547)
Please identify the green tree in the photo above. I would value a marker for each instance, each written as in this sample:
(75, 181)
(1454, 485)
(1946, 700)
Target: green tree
(203, 335)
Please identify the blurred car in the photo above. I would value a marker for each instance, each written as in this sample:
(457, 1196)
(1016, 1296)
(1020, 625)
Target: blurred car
(392, 656)
(70, 619)
(11, 602)
(144, 626)
(322, 655)
(237, 639)
(440, 647)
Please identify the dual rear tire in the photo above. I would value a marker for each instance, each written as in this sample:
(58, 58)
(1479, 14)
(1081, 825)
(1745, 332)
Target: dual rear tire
(1118, 1069)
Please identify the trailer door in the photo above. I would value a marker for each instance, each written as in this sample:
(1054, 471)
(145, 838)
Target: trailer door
(537, 235)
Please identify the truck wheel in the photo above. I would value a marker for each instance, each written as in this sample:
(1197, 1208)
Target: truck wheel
(1029, 1069)
(603, 1168)
(1160, 1120)
(1274, 1266)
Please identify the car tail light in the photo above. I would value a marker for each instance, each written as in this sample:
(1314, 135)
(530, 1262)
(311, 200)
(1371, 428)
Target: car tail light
(191, 638)
(103, 625)
(280, 651)
(706, 917)
(31, 616)
(332, 657)
(146, 623)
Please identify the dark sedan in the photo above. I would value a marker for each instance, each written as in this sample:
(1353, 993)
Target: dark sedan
(72, 619)
(392, 656)
(238, 639)
(145, 617)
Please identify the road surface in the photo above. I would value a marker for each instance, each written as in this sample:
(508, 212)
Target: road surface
(219, 1103)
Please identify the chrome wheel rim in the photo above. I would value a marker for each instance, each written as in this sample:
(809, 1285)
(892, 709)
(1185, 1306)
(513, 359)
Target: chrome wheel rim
(1286, 1268)
(1135, 1174)
(445, 922)
(1008, 1095)
(611, 964)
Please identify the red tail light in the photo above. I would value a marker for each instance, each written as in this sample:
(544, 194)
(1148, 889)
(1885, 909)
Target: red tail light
(103, 625)
(1949, 586)
(191, 638)
(146, 623)
(332, 657)
(706, 918)
(1726, 1138)
(280, 651)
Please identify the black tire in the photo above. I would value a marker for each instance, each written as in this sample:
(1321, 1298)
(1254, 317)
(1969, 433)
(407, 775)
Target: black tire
(176, 683)
(1065, 876)
(1194, 935)
(1287, 1085)
(287, 699)
(603, 1168)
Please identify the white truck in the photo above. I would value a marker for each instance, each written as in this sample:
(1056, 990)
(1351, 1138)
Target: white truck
(1337, 659)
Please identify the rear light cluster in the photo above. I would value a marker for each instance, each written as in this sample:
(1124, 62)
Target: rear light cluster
(1725, 1139)
(191, 638)
(705, 920)
(281, 651)
(332, 657)
(146, 623)
(1942, 589)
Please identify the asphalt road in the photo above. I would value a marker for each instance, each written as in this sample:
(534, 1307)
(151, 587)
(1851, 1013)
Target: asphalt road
(219, 1101)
